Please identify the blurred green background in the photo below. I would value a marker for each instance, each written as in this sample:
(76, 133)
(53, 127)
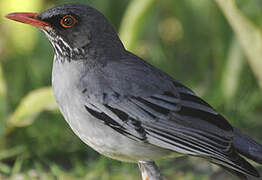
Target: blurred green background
(213, 47)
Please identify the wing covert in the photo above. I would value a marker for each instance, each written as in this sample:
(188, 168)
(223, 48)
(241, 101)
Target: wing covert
(179, 121)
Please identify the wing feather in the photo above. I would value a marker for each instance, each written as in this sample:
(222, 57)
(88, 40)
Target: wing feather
(163, 117)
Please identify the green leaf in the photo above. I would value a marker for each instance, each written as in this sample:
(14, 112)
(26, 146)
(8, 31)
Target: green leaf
(12, 152)
(18, 165)
(5, 168)
(3, 103)
(2, 83)
(231, 75)
(248, 34)
(133, 20)
(30, 106)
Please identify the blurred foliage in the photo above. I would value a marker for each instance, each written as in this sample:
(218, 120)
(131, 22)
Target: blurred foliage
(216, 52)
(30, 106)
(248, 34)
(132, 22)
(233, 68)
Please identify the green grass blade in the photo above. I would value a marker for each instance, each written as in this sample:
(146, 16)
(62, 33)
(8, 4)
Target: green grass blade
(133, 20)
(247, 33)
(3, 103)
(231, 75)
(9, 153)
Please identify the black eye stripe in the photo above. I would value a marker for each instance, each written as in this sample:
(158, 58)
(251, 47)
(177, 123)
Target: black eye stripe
(53, 19)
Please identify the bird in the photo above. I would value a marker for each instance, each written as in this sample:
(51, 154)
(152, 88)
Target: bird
(127, 109)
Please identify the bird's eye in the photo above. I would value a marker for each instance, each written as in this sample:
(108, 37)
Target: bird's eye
(68, 21)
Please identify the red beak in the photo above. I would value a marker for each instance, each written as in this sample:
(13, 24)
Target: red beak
(28, 18)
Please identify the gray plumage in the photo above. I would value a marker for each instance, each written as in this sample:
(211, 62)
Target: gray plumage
(129, 110)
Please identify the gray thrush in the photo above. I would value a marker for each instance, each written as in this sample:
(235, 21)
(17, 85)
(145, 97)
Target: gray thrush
(125, 108)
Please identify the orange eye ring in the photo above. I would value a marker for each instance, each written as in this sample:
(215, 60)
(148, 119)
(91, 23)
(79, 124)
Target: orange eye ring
(68, 21)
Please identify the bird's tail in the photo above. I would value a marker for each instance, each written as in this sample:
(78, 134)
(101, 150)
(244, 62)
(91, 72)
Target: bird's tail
(247, 146)
(237, 165)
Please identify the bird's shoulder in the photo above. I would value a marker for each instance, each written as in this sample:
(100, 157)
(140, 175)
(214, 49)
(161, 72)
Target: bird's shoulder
(130, 80)
(128, 76)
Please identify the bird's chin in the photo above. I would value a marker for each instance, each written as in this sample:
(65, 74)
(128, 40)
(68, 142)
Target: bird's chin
(50, 34)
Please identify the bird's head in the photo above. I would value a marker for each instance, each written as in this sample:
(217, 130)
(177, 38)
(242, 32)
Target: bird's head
(75, 31)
